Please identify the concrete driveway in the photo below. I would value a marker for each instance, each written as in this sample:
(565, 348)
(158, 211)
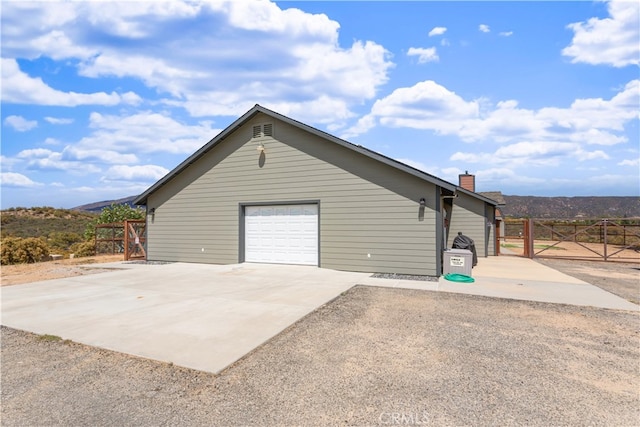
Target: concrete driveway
(206, 317)
(194, 315)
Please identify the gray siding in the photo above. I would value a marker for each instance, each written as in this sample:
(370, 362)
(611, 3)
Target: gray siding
(468, 217)
(365, 207)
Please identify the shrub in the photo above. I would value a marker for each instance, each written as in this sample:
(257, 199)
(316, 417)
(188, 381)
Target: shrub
(62, 241)
(16, 250)
(83, 249)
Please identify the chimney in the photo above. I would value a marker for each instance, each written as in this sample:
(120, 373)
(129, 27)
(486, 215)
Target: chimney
(467, 181)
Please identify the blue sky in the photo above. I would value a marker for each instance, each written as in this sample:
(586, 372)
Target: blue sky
(101, 99)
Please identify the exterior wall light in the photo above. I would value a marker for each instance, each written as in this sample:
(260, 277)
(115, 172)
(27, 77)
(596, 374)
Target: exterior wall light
(260, 148)
(423, 202)
(152, 211)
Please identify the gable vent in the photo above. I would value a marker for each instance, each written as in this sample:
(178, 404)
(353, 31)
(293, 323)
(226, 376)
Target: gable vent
(260, 131)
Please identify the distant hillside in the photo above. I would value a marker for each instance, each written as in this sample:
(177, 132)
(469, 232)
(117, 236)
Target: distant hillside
(42, 221)
(571, 207)
(98, 206)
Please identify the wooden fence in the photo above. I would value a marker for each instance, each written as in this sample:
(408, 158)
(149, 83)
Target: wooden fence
(127, 238)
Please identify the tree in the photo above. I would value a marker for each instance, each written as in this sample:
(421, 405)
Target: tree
(111, 214)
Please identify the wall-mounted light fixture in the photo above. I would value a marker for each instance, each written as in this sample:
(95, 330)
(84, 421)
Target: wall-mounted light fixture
(260, 148)
(152, 211)
(423, 202)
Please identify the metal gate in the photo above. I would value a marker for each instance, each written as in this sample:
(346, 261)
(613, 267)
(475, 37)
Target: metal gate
(602, 239)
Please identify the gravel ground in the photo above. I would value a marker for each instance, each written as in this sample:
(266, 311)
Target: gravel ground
(373, 356)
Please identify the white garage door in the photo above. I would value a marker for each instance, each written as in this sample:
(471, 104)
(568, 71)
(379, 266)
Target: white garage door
(282, 234)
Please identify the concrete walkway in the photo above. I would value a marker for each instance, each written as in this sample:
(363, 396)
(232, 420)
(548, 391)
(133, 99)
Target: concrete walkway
(208, 316)
(520, 278)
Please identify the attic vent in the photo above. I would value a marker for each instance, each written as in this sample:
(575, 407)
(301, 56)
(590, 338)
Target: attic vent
(263, 130)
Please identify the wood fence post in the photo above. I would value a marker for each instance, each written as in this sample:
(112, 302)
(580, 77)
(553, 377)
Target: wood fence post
(528, 238)
(605, 238)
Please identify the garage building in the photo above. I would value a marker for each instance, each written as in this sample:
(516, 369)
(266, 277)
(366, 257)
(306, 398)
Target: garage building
(270, 189)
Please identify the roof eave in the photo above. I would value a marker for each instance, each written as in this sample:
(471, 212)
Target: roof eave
(476, 195)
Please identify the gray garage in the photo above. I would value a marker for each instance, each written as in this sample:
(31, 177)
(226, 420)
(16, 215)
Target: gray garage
(270, 189)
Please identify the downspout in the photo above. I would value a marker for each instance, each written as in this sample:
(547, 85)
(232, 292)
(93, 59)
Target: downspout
(439, 231)
(441, 244)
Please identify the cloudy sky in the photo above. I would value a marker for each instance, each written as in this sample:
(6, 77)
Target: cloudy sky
(101, 99)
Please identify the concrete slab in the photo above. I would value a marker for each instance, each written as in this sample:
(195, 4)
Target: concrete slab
(522, 279)
(208, 316)
(199, 316)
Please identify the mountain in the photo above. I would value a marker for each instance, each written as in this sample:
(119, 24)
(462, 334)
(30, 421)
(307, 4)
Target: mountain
(571, 207)
(98, 206)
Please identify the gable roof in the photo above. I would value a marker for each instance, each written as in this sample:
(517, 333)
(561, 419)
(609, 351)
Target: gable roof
(142, 198)
(494, 195)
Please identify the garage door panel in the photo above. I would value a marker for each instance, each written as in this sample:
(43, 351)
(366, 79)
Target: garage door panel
(285, 234)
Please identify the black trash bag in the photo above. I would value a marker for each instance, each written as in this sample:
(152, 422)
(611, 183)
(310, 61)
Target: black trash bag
(464, 242)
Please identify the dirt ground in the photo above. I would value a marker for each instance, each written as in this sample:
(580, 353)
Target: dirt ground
(27, 273)
(373, 356)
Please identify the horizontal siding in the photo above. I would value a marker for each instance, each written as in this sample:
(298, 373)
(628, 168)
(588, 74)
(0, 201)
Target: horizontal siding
(372, 209)
(468, 218)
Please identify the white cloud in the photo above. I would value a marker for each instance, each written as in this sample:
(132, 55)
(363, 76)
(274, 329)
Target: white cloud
(145, 173)
(48, 160)
(145, 132)
(544, 137)
(96, 155)
(506, 33)
(58, 121)
(113, 141)
(20, 124)
(430, 106)
(56, 163)
(34, 153)
(437, 31)
(19, 88)
(531, 154)
(426, 105)
(225, 55)
(484, 28)
(630, 162)
(610, 41)
(424, 54)
(11, 179)
(7, 162)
